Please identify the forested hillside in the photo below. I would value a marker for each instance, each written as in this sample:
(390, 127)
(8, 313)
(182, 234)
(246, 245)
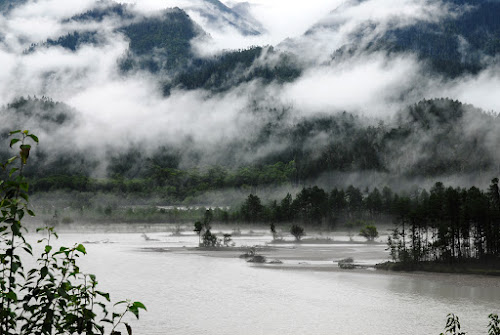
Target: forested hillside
(160, 43)
(430, 139)
(461, 43)
(221, 73)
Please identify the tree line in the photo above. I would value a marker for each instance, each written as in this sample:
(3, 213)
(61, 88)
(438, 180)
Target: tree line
(444, 223)
(173, 183)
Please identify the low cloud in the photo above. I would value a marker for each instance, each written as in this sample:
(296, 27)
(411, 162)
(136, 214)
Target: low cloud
(119, 111)
(370, 84)
(481, 90)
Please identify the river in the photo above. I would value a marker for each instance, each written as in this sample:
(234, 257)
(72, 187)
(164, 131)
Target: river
(190, 293)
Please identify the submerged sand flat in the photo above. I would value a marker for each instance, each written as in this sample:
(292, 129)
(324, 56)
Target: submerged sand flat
(314, 253)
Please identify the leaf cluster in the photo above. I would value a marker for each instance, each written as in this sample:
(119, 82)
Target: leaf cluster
(54, 296)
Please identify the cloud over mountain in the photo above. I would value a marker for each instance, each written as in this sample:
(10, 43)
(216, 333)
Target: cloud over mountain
(153, 76)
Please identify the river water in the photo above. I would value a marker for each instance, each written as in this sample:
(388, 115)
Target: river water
(189, 293)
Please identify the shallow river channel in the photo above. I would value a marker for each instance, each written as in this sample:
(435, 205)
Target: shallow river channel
(189, 292)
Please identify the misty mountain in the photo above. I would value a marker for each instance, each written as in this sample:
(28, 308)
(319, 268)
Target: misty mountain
(455, 45)
(432, 138)
(462, 42)
(71, 41)
(161, 42)
(219, 17)
(228, 70)
(429, 139)
(104, 10)
(42, 113)
(54, 121)
(156, 43)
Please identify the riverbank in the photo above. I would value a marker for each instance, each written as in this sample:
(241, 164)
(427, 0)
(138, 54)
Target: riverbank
(488, 268)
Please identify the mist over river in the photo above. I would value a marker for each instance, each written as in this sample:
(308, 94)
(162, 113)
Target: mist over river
(188, 292)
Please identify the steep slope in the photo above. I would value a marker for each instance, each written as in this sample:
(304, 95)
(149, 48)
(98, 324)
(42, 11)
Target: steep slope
(217, 16)
(226, 71)
(463, 41)
(161, 42)
(455, 45)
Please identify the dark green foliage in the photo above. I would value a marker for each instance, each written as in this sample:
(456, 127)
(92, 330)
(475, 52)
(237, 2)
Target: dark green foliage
(252, 209)
(53, 297)
(156, 43)
(131, 177)
(161, 42)
(70, 41)
(437, 127)
(297, 232)
(369, 232)
(453, 326)
(198, 227)
(64, 168)
(230, 69)
(208, 238)
(42, 110)
(311, 205)
(440, 42)
(494, 325)
(170, 30)
(104, 10)
(449, 224)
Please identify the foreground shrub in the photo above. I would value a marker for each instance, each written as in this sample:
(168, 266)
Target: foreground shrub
(53, 297)
(453, 325)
